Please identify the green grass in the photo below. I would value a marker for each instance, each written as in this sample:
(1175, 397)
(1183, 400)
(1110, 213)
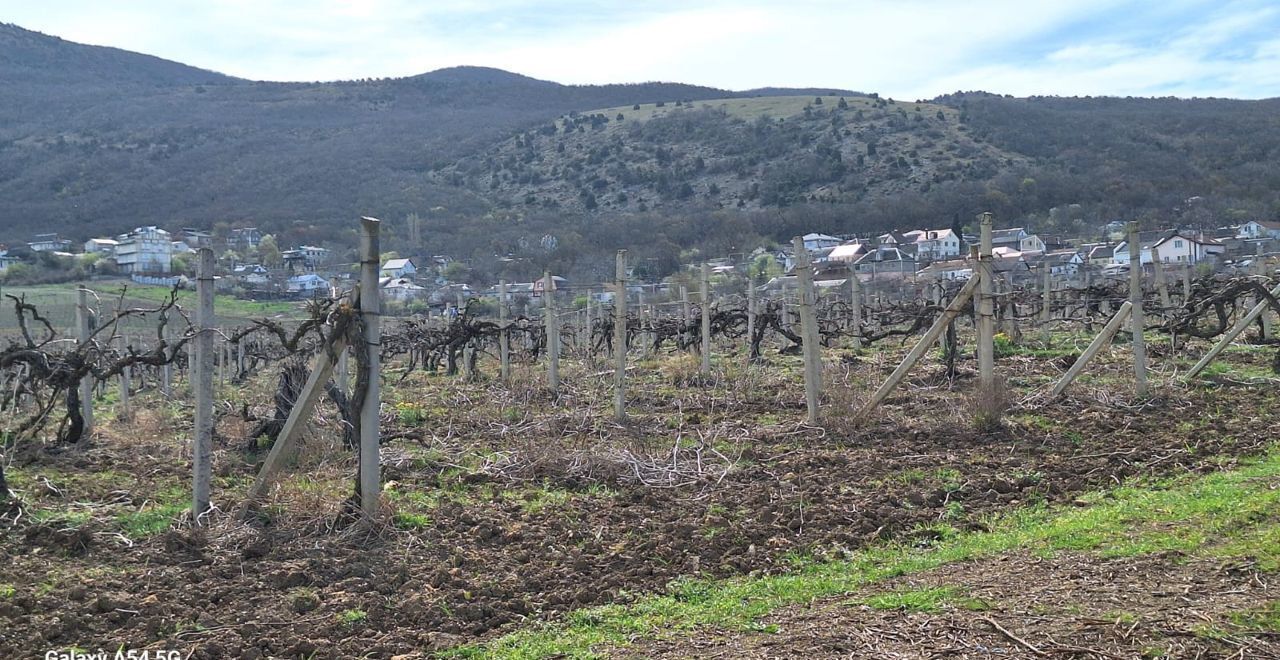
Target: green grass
(411, 520)
(1226, 514)
(922, 600)
(155, 517)
(57, 303)
(352, 617)
(1264, 618)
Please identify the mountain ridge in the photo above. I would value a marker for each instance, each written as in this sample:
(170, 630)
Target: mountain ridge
(493, 161)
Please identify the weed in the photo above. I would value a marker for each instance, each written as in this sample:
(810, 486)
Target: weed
(410, 520)
(1265, 618)
(352, 617)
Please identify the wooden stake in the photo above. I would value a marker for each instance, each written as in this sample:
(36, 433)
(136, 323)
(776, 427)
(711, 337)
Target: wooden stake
(1096, 345)
(930, 337)
(808, 332)
(751, 314)
(1136, 318)
(620, 338)
(370, 311)
(202, 382)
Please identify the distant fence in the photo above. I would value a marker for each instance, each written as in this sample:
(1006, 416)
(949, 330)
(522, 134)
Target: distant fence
(154, 280)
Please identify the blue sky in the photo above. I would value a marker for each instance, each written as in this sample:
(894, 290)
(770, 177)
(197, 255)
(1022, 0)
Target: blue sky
(905, 49)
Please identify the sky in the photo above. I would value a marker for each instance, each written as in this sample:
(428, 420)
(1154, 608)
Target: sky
(905, 49)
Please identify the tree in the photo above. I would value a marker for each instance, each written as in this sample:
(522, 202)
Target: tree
(269, 251)
(764, 268)
(455, 271)
(182, 264)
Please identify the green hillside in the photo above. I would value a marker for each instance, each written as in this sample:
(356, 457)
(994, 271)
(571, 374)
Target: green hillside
(744, 153)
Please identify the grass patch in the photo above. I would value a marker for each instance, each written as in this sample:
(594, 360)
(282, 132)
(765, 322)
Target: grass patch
(352, 617)
(924, 600)
(410, 520)
(1265, 618)
(155, 517)
(1235, 509)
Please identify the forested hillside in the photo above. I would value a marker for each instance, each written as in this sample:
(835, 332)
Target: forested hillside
(96, 140)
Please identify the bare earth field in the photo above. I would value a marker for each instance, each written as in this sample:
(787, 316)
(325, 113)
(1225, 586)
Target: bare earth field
(506, 511)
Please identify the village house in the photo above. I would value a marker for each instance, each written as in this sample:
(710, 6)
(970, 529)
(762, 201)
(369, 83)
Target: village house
(1061, 263)
(1255, 229)
(1098, 254)
(145, 250)
(1175, 246)
(255, 274)
(196, 238)
(304, 259)
(400, 289)
(49, 243)
(815, 242)
(934, 244)
(847, 252)
(7, 260)
(1016, 238)
(885, 263)
(306, 284)
(104, 246)
(244, 238)
(398, 268)
(949, 270)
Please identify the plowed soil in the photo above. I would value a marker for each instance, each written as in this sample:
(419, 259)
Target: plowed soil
(306, 582)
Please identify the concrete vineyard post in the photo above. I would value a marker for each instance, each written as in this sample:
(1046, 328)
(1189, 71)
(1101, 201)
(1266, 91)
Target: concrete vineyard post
(86, 383)
(705, 367)
(202, 383)
(370, 311)
(1235, 331)
(986, 311)
(166, 369)
(686, 313)
(504, 334)
(1137, 319)
(808, 332)
(552, 331)
(1161, 286)
(1096, 345)
(1046, 300)
(620, 338)
(855, 305)
(930, 337)
(125, 382)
